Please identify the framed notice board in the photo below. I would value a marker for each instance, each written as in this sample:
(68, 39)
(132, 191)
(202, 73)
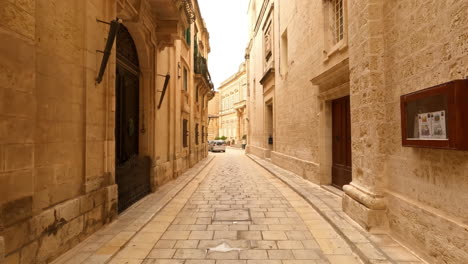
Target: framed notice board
(436, 117)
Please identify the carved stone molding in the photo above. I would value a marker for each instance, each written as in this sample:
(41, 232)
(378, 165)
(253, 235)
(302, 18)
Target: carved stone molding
(128, 10)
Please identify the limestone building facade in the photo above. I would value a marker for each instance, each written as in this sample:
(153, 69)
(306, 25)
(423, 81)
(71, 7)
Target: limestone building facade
(325, 79)
(213, 117)
(232, 114)
(74, 152)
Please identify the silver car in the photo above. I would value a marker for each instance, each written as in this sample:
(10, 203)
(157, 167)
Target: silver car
(218, 145)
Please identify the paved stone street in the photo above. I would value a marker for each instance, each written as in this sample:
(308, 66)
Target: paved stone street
(253, 216)
(233, 211)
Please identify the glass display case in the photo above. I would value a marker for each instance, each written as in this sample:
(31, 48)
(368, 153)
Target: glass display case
(436, 117)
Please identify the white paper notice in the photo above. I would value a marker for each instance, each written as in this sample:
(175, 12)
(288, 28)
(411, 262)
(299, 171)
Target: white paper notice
(425, 125)
(432, 125)
(438, 125)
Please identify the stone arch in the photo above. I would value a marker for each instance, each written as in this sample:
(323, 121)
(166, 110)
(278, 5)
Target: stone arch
(134, 79)
(146, 58)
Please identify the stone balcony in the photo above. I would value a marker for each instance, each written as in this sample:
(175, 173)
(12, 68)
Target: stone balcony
(202, 75)
(173, 17)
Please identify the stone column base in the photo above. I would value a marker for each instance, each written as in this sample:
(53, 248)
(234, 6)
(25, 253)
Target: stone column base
(369, 211)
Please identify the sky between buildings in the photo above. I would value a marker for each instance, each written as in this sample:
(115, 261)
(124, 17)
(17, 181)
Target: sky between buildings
(227, 24)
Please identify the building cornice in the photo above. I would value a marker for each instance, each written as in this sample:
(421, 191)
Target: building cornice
(260, 16)
(233, 77)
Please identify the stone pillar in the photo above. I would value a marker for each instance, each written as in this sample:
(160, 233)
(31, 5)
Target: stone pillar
(364, 196)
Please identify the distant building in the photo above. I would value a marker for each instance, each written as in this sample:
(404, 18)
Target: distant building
(232, 115)
(213, 117)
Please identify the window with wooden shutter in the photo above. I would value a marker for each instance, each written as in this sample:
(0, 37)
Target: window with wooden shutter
(196, 134)
(185, 133)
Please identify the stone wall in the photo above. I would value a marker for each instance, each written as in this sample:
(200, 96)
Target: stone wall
(296, 104)
(57, 180)
(426, 43)
(55, 188)
(2, 251)
(394, 48)
(364, 200)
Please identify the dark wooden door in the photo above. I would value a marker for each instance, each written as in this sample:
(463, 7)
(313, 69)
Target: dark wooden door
(127, 114)
(132, 172)
(341, 142)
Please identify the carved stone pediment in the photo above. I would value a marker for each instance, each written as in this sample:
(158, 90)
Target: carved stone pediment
(332, 77)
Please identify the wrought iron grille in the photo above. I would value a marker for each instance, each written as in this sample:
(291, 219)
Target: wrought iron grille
(201, 67)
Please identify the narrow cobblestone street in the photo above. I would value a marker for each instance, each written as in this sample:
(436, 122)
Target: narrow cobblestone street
(238, 213)
(260, 218)
(233, 211)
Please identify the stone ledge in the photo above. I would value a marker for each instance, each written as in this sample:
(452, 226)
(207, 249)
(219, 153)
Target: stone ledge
(367, 246)
(131, 221)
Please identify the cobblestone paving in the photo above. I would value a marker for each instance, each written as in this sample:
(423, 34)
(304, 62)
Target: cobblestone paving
(374, 248)
(236, 213)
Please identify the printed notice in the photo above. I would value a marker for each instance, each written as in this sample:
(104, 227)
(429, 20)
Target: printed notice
(425, 125)
(438, 125)
(432, 125)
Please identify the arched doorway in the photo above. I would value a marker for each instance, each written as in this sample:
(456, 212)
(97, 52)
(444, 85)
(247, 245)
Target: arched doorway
(132, 172)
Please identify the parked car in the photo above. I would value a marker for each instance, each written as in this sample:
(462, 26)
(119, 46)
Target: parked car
(218, 145)
(210, 145)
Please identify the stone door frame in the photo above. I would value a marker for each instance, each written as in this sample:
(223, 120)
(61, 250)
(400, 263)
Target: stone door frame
(325, 130)
(145, 46)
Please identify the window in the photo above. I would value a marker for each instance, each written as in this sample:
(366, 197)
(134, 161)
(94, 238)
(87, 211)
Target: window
(203, 134)
(335, 23)
(338, 20)
(254, 83)
(196, 134)
(185, 133)
(284, 53)
(185, 79)
(187, 35)
(196, 93)
(267, 43)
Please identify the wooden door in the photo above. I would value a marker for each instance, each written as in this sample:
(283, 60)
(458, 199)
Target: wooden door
(341, 142)
(132, 171)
